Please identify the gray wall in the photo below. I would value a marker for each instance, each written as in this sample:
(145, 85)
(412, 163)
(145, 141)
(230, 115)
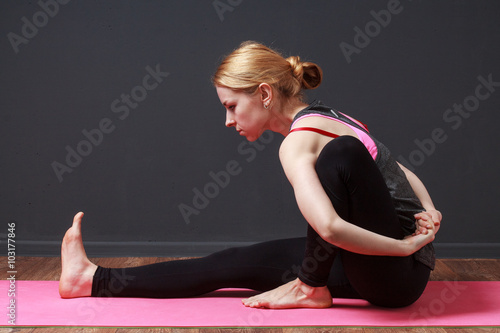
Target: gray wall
(71, 70)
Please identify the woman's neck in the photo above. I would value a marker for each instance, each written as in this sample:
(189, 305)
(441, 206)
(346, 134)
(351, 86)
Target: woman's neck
(284, 113)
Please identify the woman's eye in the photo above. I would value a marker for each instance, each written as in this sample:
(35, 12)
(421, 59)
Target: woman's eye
(231, 107)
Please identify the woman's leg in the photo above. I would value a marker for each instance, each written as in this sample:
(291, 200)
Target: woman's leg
(360, 196)
(262, 267)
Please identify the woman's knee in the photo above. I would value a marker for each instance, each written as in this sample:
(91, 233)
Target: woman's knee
(342, 153)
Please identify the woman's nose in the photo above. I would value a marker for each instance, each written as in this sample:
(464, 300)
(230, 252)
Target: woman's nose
(229, 121)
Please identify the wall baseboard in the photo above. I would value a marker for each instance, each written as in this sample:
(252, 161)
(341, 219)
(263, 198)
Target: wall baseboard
(195, 249)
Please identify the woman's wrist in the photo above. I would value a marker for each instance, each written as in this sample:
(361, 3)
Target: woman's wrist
(428, 206)
(403, 247)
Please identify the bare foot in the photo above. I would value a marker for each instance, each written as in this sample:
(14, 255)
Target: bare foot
(294, 294)
(77, 270)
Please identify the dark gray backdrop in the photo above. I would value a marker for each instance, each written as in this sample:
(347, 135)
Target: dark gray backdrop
(77, 76)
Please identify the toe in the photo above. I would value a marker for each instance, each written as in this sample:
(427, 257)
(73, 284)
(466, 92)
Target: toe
(255, 304)
(78, 217)
(77, 221)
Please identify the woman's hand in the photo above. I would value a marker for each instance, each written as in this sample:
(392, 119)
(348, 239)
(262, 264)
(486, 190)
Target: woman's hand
(427, 220)
(415, 242)
(428, 223)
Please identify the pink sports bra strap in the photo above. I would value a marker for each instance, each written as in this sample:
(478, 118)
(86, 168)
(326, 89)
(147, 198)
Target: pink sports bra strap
(317, 130)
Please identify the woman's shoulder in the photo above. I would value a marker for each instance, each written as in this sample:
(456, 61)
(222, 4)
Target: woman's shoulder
(298, 153)
(297, 144)
(304, 143)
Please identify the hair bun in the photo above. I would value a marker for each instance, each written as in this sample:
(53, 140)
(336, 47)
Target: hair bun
(297, 67)
(307, 73)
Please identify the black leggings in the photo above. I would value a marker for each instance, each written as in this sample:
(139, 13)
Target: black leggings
(358, 193)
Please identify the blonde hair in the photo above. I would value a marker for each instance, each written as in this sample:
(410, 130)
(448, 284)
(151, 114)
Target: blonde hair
(253, 63)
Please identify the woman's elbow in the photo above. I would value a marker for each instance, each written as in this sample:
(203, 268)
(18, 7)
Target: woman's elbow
(330, 232)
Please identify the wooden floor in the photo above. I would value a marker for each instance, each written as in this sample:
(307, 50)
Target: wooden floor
(38, 268)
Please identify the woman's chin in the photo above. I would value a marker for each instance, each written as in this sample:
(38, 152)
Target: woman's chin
(251, 138)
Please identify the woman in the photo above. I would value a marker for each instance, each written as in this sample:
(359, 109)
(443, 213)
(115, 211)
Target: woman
(371, 221)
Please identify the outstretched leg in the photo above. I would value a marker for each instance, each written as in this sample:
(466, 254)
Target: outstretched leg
(261, 267)
(77, 270)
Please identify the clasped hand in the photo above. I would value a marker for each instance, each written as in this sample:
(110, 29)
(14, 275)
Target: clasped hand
(427, 225)
(428, 220)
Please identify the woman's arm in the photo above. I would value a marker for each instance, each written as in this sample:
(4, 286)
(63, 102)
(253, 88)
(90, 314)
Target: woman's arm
(424, 197)
(419, 188)
(316, 207)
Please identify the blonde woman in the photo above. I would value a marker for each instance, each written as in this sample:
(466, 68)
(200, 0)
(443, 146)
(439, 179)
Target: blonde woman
(370, 220)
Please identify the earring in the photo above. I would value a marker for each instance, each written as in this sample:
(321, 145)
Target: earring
(266, 106)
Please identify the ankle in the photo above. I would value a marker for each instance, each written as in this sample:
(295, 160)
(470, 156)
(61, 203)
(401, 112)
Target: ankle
(307, 289)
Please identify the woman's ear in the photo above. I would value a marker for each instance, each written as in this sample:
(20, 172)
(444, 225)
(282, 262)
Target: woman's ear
(266, 93)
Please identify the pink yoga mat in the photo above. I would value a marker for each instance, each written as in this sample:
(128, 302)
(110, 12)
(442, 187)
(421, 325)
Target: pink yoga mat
(453, 303)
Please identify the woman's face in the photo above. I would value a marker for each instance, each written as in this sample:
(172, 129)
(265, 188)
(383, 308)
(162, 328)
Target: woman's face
(244, 112)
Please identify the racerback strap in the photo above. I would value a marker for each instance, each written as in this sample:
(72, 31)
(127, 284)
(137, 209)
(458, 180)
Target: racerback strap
(317, 130)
